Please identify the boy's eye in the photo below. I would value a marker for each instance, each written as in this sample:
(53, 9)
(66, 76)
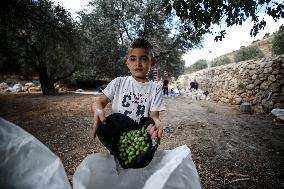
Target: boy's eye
(141, 59)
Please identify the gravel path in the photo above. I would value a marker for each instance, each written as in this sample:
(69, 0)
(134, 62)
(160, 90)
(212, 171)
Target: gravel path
(230, 149)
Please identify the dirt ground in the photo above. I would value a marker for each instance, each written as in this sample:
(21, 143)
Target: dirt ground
(230, 149)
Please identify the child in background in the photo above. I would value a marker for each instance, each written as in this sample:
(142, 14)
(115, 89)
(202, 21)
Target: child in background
(134, 96)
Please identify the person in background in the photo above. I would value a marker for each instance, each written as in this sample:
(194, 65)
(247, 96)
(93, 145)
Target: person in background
(166, 87)
(194, 84)
(176, 91)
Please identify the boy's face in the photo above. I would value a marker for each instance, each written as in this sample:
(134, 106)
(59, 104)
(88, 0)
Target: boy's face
(139, 61)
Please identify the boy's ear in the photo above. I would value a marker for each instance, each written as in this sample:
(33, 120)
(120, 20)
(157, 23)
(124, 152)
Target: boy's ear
(124, 60)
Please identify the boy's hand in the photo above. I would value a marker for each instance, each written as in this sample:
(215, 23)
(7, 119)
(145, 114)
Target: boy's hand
(155, 131)
(99, 114)
(99, 118)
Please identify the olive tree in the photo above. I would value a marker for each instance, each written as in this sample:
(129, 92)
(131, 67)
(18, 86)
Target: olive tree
(41, 38)
(110, 26)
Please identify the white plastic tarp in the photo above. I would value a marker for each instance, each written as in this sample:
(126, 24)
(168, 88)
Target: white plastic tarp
(168, 169)
(26, 163)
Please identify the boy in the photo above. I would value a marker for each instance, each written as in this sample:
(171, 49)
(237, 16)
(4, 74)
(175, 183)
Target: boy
(134, 95)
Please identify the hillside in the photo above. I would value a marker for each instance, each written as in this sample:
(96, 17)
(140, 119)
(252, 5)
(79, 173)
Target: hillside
(265, 45)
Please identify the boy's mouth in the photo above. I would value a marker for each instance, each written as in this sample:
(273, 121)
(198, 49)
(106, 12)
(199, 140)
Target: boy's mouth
(138, 69)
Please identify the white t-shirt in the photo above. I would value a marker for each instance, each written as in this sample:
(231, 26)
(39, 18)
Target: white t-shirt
(134, 99)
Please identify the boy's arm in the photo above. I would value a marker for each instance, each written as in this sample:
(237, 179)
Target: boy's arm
(98, 112)
(156, 130)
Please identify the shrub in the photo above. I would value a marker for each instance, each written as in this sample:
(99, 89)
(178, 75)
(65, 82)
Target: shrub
(278, 41)
(247, 53)
(198, 65)
(220, 61)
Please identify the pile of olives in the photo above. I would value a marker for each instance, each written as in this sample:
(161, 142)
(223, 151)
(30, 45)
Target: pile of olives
(132, 144)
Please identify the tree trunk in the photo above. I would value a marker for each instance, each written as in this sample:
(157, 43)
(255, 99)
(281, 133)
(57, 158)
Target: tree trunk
(47, 83)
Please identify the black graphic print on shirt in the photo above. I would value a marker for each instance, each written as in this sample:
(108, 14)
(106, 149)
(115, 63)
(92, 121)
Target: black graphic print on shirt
(138, 102)
(125, 101)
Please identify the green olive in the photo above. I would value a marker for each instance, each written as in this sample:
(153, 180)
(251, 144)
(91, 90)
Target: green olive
(132, 144)
(130, 153)
(145, 149)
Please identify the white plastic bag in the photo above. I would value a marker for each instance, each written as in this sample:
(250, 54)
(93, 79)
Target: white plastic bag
(168, 169)
(26, 163)
(279, 114)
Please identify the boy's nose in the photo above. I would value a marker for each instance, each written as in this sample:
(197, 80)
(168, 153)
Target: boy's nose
(139, 62)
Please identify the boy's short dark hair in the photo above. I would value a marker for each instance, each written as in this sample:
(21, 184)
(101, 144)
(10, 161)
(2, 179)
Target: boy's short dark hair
(141, 43)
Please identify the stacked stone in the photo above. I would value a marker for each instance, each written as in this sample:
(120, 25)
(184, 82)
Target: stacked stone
(259, 82)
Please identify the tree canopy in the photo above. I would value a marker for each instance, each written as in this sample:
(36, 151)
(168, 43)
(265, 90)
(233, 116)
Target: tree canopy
(109, 26)
(198, 16)
(40, 38)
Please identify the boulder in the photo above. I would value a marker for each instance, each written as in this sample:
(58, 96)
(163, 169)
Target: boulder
(79, 90)
(30, 84)
(3, 86)
(245, 107)
(34, 89)
(17, 88)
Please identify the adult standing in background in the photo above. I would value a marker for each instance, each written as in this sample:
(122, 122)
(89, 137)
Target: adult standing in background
(166, 87)
(194, 84)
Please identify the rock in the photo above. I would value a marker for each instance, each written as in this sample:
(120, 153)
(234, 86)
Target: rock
(250, 86)
(264, 85)
(30, 84)
(257, 82)
(79, 90)
(245, 107)
(34, 89)
(17, 88)
(3, 86)
(9, 89)
(203, 97)
(180, 127)
(238, 100)
(274, 87)
(61, 89)
(25, 88)
(168, 130)
(267, 70)
(279, 105)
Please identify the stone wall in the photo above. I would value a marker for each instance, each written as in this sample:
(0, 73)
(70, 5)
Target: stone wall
(259, 82)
